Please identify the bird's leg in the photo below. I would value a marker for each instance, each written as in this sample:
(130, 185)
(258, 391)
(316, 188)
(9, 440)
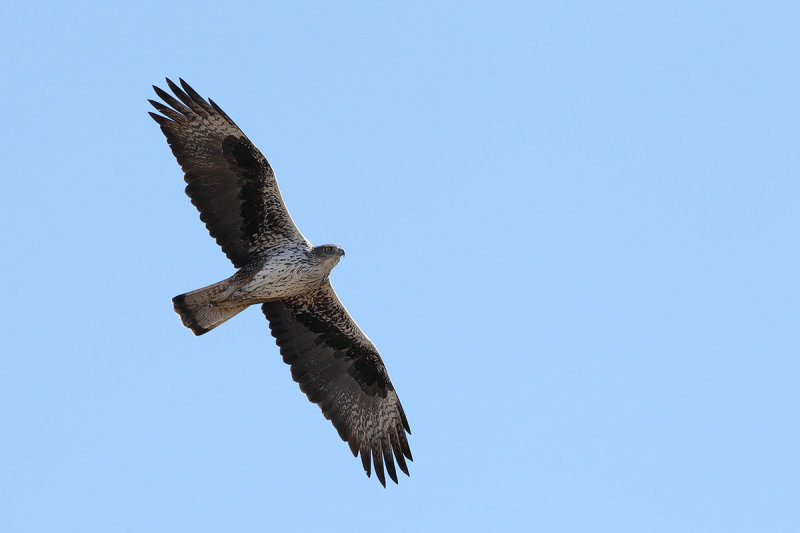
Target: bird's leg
(234, 283)
(220, 299)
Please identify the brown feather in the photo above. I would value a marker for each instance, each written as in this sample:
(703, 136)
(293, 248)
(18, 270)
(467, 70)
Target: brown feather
(340, 369)
(228, 179)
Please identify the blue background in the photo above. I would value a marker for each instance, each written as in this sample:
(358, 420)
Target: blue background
(571, 229)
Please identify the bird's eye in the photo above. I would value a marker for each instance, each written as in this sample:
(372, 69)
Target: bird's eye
(327, 248)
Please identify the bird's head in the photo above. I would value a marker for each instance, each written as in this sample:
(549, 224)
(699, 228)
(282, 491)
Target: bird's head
(328, 253)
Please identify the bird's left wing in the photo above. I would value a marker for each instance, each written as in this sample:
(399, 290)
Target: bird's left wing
(340, 369)
(228, 179)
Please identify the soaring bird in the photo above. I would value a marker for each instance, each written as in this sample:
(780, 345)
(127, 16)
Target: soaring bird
(234, 188)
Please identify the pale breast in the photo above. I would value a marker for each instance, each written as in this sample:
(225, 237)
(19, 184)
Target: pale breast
(282, 273)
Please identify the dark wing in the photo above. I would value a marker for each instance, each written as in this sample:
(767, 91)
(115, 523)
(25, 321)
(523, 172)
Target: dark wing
(339, 369)
(228, 179)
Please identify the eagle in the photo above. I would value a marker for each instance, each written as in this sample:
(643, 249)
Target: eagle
(337, 366)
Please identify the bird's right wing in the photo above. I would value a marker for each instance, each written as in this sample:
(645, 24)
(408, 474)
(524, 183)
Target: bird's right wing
(228, 179)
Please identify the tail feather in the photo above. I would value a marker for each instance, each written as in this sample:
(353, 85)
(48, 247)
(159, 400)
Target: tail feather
(198, 311)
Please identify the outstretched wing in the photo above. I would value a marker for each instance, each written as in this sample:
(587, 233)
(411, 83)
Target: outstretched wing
(340, 369)
(228, 179)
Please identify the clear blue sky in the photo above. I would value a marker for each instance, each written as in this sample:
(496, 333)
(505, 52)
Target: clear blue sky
(571, 229)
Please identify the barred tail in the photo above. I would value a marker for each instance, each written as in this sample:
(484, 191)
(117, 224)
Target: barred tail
(199, 313)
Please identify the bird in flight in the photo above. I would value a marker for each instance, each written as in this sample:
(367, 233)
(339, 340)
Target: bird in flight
(234, 188)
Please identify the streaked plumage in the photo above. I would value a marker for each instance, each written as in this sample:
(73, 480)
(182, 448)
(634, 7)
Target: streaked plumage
(235, 190)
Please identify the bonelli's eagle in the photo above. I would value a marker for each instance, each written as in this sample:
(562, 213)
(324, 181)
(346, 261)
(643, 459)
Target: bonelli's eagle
(234, 188)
